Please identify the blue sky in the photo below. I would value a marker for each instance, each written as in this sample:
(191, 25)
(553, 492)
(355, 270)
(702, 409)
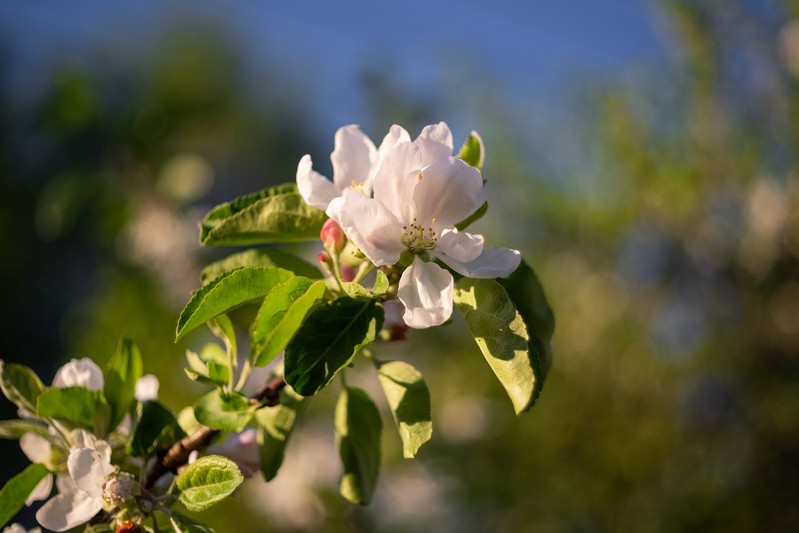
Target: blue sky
(530, 48)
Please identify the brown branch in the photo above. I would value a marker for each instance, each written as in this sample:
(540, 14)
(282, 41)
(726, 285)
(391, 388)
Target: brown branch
(178, 454)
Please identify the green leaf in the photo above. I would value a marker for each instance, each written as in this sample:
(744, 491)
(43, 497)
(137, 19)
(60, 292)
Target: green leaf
(21, 385)
(409, 399)
(226, 292)
(124, 369)
(356, 290)
(527, 294)
(381, 284)
(263, 257)
(222, 328)
(277, 214)
(155, 428)
(474, 217)
(358, 428)
(76, 407)
(328, 340)
(473, 151)
(228, 412)
(281, 315)
(17, 490)
(14, 429)
(207, 481)
(184, 524)
(275, 425)
(501, 335)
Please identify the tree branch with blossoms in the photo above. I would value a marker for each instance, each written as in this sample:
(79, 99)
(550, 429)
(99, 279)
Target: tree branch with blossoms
(398, 255)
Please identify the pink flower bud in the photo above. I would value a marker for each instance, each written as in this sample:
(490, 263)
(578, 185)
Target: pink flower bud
(348, 272)
(322, 257)
(332, 235)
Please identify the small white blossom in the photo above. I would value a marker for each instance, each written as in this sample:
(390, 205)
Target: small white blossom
(147, 388)
(79, 373)
(420, 193)
(16, 528)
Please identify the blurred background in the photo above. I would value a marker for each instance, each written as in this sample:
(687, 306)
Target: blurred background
(642, 155)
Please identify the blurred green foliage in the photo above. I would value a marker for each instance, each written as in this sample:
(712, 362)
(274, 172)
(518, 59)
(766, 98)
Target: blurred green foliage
(672, 263)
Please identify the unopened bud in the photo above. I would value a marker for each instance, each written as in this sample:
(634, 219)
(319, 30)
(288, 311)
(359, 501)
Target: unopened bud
(128, 526)
(348, 273)
(119, 490)
(333, 236)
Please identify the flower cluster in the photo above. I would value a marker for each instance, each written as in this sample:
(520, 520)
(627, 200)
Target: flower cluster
(80, 461)
(400, 204)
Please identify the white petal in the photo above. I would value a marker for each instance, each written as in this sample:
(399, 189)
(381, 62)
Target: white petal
(396, 180)
(147, 388)
(65, 483)
(425, 289)
(67, 510)
(79, 373)
(395, 135)
(36, 448)
(448, 192)
(435, 142)
(89, 468)
(315, 189)
(459, 245)
(352, 157)
(125, 426)
(492, 263)
(41, 491)
(369, 225)
(80, 438)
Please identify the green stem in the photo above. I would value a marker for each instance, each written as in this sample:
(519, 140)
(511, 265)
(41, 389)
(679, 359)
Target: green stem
(336, 268)
(363, 270)
(245, 374)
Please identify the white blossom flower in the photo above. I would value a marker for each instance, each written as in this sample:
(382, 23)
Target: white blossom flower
(80, 494)
(355, 164)
(79, 373)
(147, 388)
(420, 193)
(17, 528)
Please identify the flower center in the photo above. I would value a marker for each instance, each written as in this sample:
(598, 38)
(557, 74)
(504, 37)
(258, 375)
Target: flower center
(419, 238)
(361, 187)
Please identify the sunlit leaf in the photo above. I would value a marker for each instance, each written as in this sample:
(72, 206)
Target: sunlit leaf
(501, 335)
(281, 315)
(328, 340)
(278, 214)
(207, 481)
(358, 428)
(409, 399)
(222, 328)
(17, 490)
(264, 257)
(224, 411)
(227, 292)
(473, 151)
